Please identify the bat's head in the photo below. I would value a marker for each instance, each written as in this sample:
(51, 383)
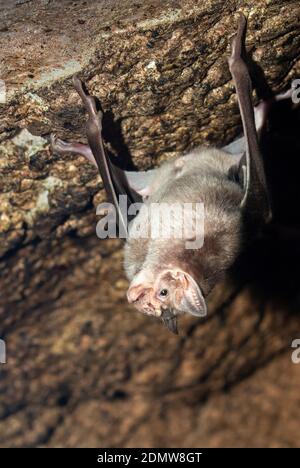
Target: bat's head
(169, 293)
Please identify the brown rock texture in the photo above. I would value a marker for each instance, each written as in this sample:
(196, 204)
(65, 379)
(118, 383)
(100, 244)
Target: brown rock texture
(83, 369)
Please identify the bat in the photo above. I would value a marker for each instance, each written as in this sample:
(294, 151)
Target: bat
(167, 279)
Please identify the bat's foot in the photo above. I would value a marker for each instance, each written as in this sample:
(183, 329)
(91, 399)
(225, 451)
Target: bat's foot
(237, 42)
(62, 147)
(94, 127)
(89, 102)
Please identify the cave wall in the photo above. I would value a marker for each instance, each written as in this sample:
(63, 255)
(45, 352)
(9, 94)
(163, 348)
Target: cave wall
(82, 367)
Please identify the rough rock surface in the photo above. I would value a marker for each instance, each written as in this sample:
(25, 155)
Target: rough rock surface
(82, 368)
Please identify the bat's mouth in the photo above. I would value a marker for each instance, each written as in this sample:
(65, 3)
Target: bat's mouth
(170, 320)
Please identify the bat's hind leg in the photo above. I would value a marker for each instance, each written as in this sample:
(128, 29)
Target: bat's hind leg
(61, 147)
(93, 127)
(256, 200)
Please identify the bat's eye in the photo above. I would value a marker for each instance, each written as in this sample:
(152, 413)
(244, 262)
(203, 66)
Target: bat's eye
(163, 293)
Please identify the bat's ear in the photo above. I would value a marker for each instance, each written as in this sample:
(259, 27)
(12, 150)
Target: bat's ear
(192, 301)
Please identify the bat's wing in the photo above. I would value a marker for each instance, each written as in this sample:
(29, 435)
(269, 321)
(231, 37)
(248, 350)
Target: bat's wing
(256, 200)
(236, 148)
(115, 180)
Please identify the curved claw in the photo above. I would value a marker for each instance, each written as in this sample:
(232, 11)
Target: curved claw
(58, 145)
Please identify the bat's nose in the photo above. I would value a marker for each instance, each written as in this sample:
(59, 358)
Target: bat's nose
(135, 293)
(141, 298)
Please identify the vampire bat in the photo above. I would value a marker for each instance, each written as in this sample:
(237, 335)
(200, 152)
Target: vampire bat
(167, 278)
